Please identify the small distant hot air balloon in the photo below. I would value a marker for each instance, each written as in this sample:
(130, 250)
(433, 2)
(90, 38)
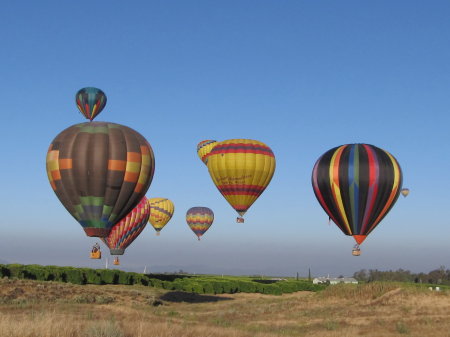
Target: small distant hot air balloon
(241, 169)
(357, 185)
(199, 220)
(405, 192)
(127, 230)
(204, 148)
(100, 171)
(161, 211)
(90, 101)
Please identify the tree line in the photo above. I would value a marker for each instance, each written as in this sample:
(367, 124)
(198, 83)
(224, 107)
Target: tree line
(440, 275)
(181, 281)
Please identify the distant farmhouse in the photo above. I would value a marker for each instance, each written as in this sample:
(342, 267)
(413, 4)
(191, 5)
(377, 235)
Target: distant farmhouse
(334, 280)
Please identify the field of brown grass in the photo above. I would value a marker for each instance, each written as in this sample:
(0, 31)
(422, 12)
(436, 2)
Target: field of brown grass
(48, 309)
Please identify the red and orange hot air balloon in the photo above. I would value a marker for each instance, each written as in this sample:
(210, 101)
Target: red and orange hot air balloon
(357, 185)
(127, 230)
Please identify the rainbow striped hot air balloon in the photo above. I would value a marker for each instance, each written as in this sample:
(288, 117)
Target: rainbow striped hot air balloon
(161, 211)
(90, 101)
(204, 149)
(241, 169)
(127, 230)
(357, 185)
(199, 219)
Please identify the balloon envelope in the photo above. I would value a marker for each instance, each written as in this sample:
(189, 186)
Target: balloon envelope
(161, 211)
(241, 169)
(100, 171)
(90, 101)
(357, 185)
(204, 148)
(405, 192)
(199, 219)
(127, 230)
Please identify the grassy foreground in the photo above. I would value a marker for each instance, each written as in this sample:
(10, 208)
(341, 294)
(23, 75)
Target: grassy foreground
(46, 309)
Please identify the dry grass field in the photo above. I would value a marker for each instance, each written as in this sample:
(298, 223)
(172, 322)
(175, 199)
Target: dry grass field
(44, 309)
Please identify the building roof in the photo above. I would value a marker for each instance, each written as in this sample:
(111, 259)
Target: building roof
(336, 279)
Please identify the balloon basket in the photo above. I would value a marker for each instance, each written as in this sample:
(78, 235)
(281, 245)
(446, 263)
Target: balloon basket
(158, 233)
(96, 255)
(239, 220)
(356, 251)
(116, 261)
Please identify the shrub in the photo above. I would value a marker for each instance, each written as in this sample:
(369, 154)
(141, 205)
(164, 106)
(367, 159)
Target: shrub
(197, 288)
(75, 276)
(125, 278)
(207, 288)
(16, 270)
(230, 287)
(4, 271)
(140, 279)
(92, 276)
(246, 286)
(55, 273)
(272, 289)
(109, 276)
(178, 284)
(287, 286)
(217, 286)
(155, 283)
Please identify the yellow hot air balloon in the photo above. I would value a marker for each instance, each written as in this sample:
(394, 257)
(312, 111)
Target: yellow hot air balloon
(405, 192)
(161, 211)
(241, 169)
(204, 148)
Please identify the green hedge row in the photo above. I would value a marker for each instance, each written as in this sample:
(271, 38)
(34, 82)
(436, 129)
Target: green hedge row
(195, 284)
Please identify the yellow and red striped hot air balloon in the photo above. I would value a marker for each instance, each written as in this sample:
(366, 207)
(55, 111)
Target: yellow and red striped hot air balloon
(241, 169)
(128, 228)
(204, 149)
(199, 219)
(161, 211)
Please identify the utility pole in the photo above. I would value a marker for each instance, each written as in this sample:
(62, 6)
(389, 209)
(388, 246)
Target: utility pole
(309, 274)
(106, 266)
(297, 276)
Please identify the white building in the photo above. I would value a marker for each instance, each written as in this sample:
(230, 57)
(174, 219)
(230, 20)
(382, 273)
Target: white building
(334, 280)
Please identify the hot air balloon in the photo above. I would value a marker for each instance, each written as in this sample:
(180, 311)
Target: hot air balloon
(100, 171)
(199, 220)
(204, 148)
(127, 230)
(90, 101)
(405, 192)
(241, 169)
(357, 185)
(161, 211)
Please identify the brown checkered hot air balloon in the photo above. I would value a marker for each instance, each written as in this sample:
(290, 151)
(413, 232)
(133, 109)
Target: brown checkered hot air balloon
(100, 171)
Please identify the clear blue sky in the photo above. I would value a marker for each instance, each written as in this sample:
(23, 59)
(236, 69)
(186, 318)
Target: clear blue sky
(301, 76)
